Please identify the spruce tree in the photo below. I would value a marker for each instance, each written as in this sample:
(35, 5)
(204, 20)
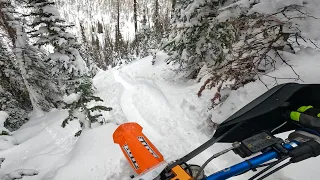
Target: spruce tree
(196, 38)
(81, 109)
(30, 80)
(108, 49)
(87, 52)
(66, 62)
(14, 97)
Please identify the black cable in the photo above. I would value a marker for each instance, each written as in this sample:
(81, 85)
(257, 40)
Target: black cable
(234, 146)
(203, 147)
(275, 170)
(260, 166)
(189, 169)
(269, 167)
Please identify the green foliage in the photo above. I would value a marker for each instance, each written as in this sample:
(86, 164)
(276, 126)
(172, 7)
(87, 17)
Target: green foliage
(17, 113)
(24, 76)
(148, 39)
(50, 29)
(67, 64)
(198, 39)
(81, 110)
(78, 133)
(4, 133)
(88, 53)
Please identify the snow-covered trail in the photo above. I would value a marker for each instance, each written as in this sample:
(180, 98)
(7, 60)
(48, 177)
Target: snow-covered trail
(163, 120)
(173, 117)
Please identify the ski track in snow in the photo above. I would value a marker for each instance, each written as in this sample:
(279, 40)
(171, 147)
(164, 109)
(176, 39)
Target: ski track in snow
(165, 123)
(128, 105)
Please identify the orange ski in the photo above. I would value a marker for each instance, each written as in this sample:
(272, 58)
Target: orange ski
(137, 148)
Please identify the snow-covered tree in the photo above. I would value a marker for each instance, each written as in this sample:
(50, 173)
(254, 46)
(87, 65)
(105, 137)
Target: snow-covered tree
(26, 74)
(14, 98)
(108, 52)
(79, 105)
(196, 38)
(148, 38)
(17, 113)
(88, 53)
(263, 30)
(67, 65)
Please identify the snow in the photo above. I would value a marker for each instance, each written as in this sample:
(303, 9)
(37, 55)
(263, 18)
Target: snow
(79, 63)
(71, 98)
(172, 116)
(3, 116)
(51, 10)
(6, 142)
(168, 109)
(19, 173)
(272, 6)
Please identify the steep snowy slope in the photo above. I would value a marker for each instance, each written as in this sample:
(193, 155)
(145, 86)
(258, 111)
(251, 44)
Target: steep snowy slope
(172, 115)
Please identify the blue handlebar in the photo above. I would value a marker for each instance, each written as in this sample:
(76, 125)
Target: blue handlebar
(249, 164)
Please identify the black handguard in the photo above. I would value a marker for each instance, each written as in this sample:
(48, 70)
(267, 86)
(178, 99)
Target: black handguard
(305, 151)
(309, 146)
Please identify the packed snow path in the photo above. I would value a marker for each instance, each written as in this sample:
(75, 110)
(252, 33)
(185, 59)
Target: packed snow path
(163, 120)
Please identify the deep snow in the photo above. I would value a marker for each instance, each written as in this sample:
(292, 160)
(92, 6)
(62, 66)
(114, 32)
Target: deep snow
(168, 109)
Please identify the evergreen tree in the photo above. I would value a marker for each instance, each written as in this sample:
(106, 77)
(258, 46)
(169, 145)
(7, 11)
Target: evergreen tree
(88, 54)
(157, 20)
(197, 38)
(67, 65)
(81, 110)
(14, 97)
(144, 36)
(38, 87)
(108, 50)
(259, 38)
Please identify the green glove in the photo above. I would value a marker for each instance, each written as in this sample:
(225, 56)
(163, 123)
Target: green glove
(307, 116)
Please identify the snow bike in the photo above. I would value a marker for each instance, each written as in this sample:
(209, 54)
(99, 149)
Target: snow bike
(251, 131)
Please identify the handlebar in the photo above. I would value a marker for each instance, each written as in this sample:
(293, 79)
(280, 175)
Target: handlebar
(250, 163)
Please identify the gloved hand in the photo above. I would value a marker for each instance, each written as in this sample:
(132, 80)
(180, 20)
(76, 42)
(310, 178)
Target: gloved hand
(307, 116)
(309, 143)
(309, 146)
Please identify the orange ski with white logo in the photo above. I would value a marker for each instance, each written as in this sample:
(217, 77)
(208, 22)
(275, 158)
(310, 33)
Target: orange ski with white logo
(136, 147)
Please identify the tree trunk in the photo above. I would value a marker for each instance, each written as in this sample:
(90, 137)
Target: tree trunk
(19, 41)
(173, 7)
(117, 39)
(135, 15)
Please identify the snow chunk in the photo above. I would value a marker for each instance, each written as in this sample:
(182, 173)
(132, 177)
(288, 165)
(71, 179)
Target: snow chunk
(227, 14)
(3, 116)
(7, 142)
(71, 98)
(272, 6)
(79, 62)
(59, 56)
(18, 174)
(51, 10)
